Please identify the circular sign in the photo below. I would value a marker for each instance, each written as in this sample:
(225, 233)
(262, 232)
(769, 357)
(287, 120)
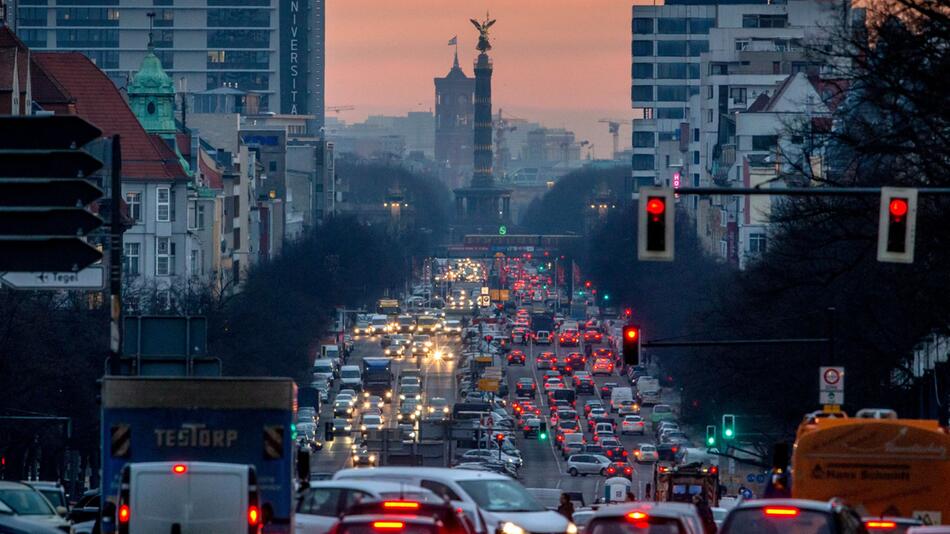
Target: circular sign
(832, 376)
(760, 478)
(750, 478)
(502, 230)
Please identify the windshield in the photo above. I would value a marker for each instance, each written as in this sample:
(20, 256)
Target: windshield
(500, 496)
(323, 365)
(757, 520)
(26, 502)
(661, 408)
(350, 373)
(379, 322)
(427, 321)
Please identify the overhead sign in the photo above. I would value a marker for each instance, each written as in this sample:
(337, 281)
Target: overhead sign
(831, 385)
(488, 384)
(44, 187)
(88, 278)
(484, 301)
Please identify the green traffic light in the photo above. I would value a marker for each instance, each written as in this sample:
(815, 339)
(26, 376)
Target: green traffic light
(710, 441)
(728, 432)
(293, 431)
(543, 436)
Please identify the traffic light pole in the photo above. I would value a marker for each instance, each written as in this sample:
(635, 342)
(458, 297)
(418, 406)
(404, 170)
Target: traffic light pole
(803, 191)
(115, 261)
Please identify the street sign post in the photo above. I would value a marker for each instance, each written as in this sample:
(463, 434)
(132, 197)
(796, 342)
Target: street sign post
(44, 188)
(831, 386)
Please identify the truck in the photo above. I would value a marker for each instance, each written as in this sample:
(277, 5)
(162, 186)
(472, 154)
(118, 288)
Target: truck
(680, 482)
(241, 421)
(378, 377)
(649, 389)
(388, 307)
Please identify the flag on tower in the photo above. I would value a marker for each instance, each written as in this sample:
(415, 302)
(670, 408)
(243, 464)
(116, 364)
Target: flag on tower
(454, 40)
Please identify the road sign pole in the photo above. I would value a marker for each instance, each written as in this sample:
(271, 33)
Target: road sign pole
(115, 259)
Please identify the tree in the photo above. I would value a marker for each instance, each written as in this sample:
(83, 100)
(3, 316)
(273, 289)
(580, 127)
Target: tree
(565, 208)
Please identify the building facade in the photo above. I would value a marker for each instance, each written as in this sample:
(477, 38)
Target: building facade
(454, 124)
(271, 47)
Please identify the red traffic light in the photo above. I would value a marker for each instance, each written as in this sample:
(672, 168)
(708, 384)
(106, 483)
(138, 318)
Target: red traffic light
(631, 333)
(656, 206)
(499, 437)
(587, 284)
(898, 207)
(628, 312)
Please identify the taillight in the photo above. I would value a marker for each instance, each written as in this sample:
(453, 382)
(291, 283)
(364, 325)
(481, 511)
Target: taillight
(253, 515)
(401, 505)
(389, 525)
(880, 525)
(179, 469)
(637, 516)
(125, 513)
(781, 511)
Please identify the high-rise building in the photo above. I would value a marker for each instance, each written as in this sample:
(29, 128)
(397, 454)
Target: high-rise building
(454, 124)
(272, 47)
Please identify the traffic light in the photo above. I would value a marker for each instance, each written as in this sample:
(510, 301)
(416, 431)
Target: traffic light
(898, 219)
(710, 435)
(728, 426)
(587, 284)
(631, 344)
(543, 431)
(628, 313)
(655, 230)
(499, 439)
(44, 187)
(293, 431)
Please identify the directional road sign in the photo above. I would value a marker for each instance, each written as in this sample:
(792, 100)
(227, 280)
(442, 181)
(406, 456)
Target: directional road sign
(89, 278)
(44, 188)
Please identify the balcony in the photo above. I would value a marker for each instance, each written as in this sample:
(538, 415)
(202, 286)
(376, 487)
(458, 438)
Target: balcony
(723, 158)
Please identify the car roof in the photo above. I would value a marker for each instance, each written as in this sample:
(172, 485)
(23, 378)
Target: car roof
(660, 509)
(368, 485)
(426, 472)
(14, 485)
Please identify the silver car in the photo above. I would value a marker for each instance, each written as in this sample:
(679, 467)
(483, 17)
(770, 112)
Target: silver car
(587, 464)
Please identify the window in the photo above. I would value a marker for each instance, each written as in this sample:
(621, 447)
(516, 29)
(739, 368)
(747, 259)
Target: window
(440, 489)
(701, 26)
(238, 18)
(737, 94)
(31, 16)
(642, 71)
(696, 179)
(163, 204)
(238, 38)
(695, 135)
(665, 136)
(693, 71)
(255, 81)
(164, 256)
(671, 93)
(709, 92)
(695, 157)
(666, 162)
(757, 243)
(134, 201)
(764, 142)
(670, 48)
(670, 113)
(87, 37)
(238, 59)
(33, 38)
(643, 139)
(642, 48)
(643, 162)
(642, 93)
(642, 26)
(764, 21)
(272, 166)
(723, 247)
(200, 220)
(194, 262)
(675, 71)
(164, 18)
(130, 258)
(172, 205)
(750, 21)
(320, 501)
(670, 25)
(709, 115)
(718, 68)
(698, 47)
(106, 59)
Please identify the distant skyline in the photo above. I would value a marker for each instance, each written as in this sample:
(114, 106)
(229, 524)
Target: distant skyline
(565, 63)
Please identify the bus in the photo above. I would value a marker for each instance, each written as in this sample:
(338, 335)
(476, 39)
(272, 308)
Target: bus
(883, 467)
(389, 307)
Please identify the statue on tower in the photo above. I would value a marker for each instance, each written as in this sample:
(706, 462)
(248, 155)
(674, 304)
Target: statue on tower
(482, 27)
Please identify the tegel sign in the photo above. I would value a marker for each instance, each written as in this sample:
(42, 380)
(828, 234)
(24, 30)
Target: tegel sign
(294, 48)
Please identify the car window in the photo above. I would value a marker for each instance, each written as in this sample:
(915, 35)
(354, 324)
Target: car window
(26, 502)
(320, 501)
(351, 497)
(440, 489)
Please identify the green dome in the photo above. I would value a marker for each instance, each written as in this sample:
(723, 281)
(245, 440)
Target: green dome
(151, 78)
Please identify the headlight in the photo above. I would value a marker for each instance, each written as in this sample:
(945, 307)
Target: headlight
(445, 409)
(571, 528)
(399, 417)
(363, 428)
(510, 528)
(372, 458)
(402, 397)
(356, 458)
(418, 397)
(389, 394)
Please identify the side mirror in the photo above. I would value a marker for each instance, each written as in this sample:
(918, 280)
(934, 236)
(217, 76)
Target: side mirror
(62, 511)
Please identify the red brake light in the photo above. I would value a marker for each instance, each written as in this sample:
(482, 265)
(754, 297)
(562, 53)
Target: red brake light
(389, 525)
(637, 516)
(782, 511)
(880, 525)
(401, 505)
(124, 513)
(179, 469)
(253, 515)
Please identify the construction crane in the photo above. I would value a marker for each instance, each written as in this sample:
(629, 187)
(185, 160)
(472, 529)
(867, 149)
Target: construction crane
(614, 126)
(502, 155)
(338, 109)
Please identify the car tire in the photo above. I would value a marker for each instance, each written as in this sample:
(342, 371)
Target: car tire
(572, 471)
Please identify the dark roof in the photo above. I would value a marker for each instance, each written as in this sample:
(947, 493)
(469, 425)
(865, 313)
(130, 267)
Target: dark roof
(7, 58)
(144, 156)
(759, 103)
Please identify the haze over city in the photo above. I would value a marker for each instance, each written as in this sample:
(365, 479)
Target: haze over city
(564, 63)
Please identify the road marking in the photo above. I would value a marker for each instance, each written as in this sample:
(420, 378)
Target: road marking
(543, 395)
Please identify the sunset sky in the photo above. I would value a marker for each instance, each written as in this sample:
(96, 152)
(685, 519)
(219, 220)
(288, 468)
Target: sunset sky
(562, 62)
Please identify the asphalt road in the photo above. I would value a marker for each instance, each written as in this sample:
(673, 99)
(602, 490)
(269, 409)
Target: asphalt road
(544, 466)
(438, 382)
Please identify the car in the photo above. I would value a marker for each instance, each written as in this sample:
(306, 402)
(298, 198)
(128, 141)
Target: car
(602, 431)
(645, 452)
(437, 409)
(587, 464)
(569, 338)
(661, 412)
(477, 455)
(602, 366)
(669, 452)
(341, 426)
(658, 429)
(564, 414)
(577, 360)
(891, 525)
(526, 388)
(409, 410)
(564, 366)
(646, 517)
(519, 335)
(584, 384)
(372, 402)
(674, 436)
(594, 420)
(792, 515)
(613, 448)
(410, 391)
(362, 456)
(591, 404)
(593, 336)
(546, 361)
(342, 408)
(321, 503)
(542, 337)
(571, 449)
(632, 424)
(516, 357)
(552, 383)
(606, 389)
(491, 499)
(22, 502)
(628, 407)
(599, 411)
(619, 469)
(371, 422)
(452, 520)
